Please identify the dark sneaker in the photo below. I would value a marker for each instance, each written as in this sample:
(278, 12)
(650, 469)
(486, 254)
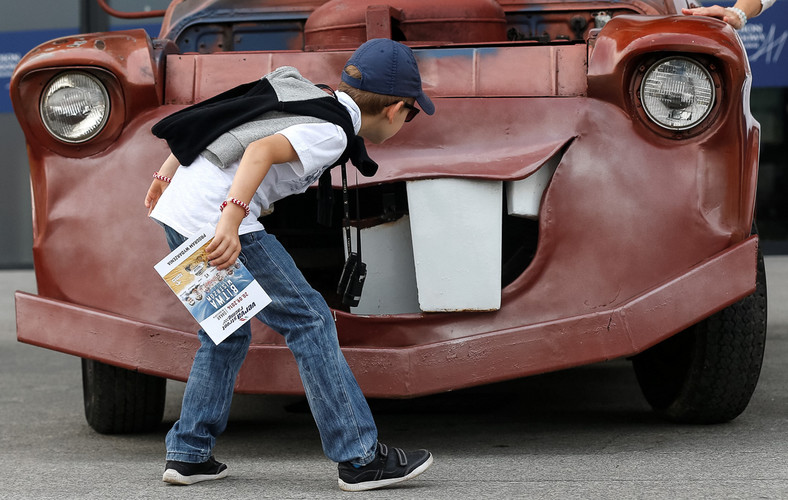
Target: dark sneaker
(189, 473)
(390, 466)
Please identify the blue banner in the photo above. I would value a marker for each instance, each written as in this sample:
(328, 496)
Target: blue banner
(13, 46)
(764, 38)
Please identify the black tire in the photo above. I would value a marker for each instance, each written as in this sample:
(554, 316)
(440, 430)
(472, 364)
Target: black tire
(708, 373)
(120, 401)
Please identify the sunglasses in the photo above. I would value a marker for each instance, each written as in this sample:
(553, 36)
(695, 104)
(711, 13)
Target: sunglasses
(412, 111)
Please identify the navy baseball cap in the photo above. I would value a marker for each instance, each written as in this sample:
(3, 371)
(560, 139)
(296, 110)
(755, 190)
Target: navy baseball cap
(388, 67)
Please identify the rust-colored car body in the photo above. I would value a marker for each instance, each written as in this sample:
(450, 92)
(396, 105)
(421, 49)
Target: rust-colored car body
(642, 232)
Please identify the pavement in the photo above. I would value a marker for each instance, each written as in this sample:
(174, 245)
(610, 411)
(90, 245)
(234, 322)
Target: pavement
(584, 433)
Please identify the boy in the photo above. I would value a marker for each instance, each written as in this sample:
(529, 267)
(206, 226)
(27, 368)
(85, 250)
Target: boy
(380, 85)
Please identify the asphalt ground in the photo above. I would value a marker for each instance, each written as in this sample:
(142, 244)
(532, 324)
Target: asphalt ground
(584, 433)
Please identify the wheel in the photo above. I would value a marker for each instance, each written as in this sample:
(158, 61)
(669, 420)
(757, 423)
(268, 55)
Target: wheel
(707, 373)
(120, 401)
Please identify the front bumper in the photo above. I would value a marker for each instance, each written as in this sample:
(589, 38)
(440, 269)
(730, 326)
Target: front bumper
(417, 369)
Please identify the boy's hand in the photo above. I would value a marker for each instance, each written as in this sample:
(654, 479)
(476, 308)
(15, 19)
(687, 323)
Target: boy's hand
(158, 186)
(155, 191)
(226, 246)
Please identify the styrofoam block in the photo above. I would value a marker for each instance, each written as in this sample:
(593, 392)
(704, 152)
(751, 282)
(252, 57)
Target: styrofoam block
(390, 287)
(456, 232)
(524, 197)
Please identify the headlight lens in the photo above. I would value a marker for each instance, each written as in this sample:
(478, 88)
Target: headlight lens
(74, 107)
(677, 93)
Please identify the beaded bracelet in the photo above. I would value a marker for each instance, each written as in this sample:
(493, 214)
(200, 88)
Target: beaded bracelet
(236, 201)
(741, 14)
(157, 175)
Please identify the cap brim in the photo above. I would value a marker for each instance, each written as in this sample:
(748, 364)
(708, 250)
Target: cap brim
(425, 104)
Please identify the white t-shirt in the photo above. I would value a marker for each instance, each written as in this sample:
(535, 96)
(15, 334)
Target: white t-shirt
(192, 199)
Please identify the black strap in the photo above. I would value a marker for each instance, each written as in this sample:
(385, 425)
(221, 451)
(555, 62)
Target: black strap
(358, 220)
(346, 221)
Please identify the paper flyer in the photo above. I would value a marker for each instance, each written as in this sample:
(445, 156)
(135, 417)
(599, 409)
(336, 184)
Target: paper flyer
(221, 301)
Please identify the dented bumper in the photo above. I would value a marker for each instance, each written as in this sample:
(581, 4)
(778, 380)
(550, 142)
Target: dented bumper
(434, 365)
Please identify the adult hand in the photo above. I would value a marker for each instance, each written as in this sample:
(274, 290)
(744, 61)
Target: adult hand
(718, 12)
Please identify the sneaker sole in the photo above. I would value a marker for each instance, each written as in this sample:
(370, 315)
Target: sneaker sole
(371, 485)
(174, 477)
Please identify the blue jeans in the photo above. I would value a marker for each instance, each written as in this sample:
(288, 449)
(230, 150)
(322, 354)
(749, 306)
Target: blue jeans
(301, 315)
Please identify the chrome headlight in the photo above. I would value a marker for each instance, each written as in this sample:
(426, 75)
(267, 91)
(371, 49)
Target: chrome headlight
(677, 93)
(75, 106)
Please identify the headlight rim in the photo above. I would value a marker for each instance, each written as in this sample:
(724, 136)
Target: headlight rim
(708, 64)
(105, 93)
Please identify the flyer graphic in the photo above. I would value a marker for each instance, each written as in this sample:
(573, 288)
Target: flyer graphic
(220, 301)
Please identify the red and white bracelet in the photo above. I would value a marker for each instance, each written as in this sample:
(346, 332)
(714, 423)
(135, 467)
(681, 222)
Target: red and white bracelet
(157, 175)
(236, 201)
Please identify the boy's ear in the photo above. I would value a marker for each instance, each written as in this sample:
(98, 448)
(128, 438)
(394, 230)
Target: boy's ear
(392, 110)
